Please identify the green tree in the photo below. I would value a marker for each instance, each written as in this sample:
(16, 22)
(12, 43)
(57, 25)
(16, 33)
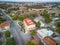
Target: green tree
(32, 32)
(1, 19)
(48, 20)
(35, 42)
(47, 17)
(21, 18)
(10, 41)
(45, 14)
(59, 15)
(58, 24)
(14, 18)
(53, 14)
(34, 15)
(0, 43)
(58, 30)
(7, 34)
(38, 24)
(20, 24)
(0, 35)
(32, 42)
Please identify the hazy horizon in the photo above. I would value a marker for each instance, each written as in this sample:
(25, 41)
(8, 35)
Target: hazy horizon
(31, 0)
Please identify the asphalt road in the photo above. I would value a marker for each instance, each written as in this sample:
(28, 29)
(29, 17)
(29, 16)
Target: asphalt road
(15, 30)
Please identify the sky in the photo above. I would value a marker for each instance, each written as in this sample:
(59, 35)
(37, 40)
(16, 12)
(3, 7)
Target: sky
(32, 0)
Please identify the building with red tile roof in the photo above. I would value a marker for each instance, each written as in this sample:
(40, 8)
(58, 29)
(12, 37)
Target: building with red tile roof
(29, 24)
(49, 41)
(5, 25)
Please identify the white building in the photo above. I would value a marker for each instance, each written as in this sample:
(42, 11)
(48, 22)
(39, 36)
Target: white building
(29, 24)
(42, 33)
(40, 19)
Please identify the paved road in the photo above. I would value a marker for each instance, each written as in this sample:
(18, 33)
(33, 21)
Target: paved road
(15, 30)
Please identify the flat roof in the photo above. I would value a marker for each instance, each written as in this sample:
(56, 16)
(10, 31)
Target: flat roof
(44, 32)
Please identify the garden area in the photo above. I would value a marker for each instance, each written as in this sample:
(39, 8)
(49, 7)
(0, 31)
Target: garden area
(47, 17)
(6, 39)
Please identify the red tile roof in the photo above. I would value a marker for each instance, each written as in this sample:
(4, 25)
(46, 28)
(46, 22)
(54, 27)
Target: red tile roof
(2, 25)
(28, 21)
(49, 40)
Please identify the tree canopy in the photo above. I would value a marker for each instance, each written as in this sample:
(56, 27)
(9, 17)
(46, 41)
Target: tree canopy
(47, 17)
(32, 42)
(7, 34)
(10, 41)
(0, 35)
(14, 18)
(58, 30)
(0, 43)
(57, 24)
(32, 32)
(21, 18)
(38, 24)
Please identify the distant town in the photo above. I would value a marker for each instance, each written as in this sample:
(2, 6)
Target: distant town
(29, 23)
